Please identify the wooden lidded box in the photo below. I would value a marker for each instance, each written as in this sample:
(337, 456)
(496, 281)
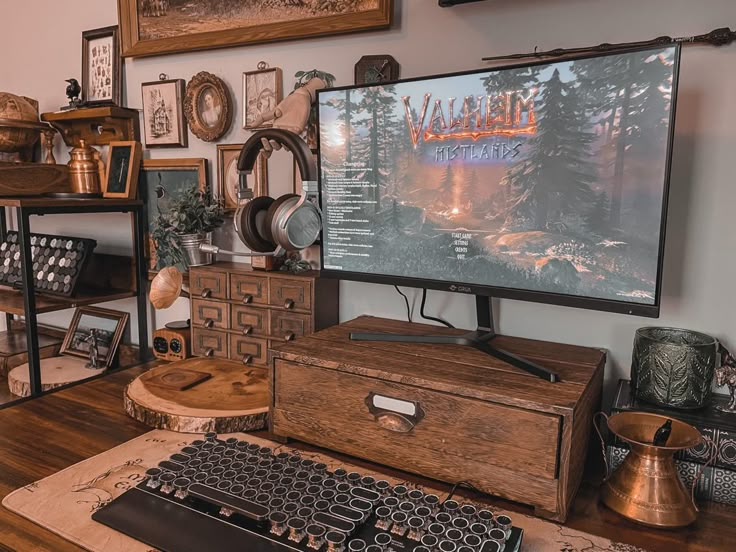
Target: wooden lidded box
(443, 411)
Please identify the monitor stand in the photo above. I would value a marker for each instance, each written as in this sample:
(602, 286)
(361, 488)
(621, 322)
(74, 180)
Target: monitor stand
(479, 339)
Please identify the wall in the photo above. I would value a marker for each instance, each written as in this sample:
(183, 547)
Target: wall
(41, 43)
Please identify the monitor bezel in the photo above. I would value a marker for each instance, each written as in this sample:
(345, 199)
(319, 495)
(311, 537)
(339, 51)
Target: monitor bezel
(567, 300)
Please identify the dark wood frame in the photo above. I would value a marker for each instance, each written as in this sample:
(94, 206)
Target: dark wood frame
(117, 65)
(278, 88)
(133, 45)
(197, 86)
(183, 138)
(373, 60)
(197, 163)
(131, 179)
(122, 320)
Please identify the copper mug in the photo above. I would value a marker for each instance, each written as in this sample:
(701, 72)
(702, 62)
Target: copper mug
(646, 487)
(86, 169)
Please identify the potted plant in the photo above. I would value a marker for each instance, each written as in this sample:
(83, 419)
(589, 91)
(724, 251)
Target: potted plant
(188, 222)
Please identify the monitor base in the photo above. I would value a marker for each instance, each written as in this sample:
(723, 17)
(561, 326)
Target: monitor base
(479, 339)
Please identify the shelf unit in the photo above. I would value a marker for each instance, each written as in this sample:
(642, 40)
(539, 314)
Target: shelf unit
(28, 303)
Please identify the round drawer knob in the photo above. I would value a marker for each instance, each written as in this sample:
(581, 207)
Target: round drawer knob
(209, 352)
(247, 330)
(206, 292)
(289, 304)
(289, 336)
(247, 359)
(247, 299)
(208, 323)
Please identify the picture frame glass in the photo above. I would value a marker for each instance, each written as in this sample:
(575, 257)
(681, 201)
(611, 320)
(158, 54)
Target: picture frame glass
(99, 85)
(119, 167)
(209, 106)
(95, 327)
(163, 119)
(261, 94)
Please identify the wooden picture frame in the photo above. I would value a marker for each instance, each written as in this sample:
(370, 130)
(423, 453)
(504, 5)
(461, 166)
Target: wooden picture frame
(144, 33)
(171, 175)
(164, 125)
(111, 325)
(228, 178)
(207, 106)
(123, 164)
(262, 92)
(102, 75)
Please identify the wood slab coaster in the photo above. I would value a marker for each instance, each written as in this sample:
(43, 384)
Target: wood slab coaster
(55, 372)
(233, 398)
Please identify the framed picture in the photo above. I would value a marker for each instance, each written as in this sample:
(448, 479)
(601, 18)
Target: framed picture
(101, 67)
(160, 181)
(153, 28)
(163, 114)
(262, 92)
(207, 106)
(95, 333)
(123, 163)
(228, 178)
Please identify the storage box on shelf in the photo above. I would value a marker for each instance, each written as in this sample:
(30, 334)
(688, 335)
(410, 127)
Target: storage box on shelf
(239, 313)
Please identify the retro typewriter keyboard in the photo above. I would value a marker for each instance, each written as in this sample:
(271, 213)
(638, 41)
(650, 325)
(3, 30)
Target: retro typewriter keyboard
(236, 496)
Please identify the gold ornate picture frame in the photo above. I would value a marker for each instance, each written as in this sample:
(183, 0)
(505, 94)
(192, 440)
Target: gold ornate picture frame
(207, 106)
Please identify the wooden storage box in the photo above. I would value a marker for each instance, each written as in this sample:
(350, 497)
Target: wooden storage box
(443, 411)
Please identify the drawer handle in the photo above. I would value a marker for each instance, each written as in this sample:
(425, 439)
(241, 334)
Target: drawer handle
(289, 337)
(206, 292)
(289, 304)
(247, 330)
(247, 299)
(393, 414)
(208, 323)
(247, 359)
(209, 352)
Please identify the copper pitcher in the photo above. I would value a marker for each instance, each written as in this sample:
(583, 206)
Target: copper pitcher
(646, 487)
(86, 170)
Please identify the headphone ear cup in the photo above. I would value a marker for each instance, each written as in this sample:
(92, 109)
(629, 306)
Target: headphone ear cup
(272, 213)
(252, 225)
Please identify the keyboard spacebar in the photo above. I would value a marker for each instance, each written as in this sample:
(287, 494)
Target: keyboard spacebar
(238, 505)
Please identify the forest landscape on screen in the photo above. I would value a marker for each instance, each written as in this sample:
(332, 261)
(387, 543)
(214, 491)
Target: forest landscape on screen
(549, 177)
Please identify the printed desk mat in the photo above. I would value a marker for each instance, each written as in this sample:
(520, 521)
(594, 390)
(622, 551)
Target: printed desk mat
(64, 502)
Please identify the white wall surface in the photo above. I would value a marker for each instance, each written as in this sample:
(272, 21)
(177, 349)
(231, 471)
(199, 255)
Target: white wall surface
(40, 42)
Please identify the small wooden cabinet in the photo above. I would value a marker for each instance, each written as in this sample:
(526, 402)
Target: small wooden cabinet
(239, 313)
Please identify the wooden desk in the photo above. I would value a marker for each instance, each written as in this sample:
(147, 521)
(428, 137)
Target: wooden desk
(42, 436)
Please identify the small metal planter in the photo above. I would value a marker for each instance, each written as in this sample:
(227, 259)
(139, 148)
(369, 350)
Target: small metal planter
(673, 367)
(189, 244)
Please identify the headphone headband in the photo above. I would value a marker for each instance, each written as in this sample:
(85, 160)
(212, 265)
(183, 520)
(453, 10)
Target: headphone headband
(298, 148)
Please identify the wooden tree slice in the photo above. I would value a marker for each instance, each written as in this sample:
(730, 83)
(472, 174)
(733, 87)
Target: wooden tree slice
(55, 372)
(234, 397)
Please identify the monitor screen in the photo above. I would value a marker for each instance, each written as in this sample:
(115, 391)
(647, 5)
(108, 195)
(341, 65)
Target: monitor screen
(543, 182)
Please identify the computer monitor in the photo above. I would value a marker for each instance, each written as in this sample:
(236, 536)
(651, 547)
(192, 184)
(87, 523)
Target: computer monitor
(542, 182)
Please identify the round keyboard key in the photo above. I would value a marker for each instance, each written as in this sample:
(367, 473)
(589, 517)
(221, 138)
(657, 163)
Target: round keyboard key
(339, 474)
(276, 503)
(454, 535)
(468, 511)
(478, 529)
(321, 505)
(447, 546)
(430, 541)
(224, 484)
(237, 489)
(335, 538)
(472, 540)
(357, 545)
(415, 495)
(382, 539)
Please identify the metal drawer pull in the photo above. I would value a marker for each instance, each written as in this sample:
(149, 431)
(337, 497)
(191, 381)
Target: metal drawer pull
(208, 323)
(206, 292)
(289, 304)
(394, 414)
(247, 299)
(247, 330)
(289, 336)
(247, 359)
(209, 352)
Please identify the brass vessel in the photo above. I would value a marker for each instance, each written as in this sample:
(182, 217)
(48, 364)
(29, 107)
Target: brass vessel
(646, 487)
(86, 170)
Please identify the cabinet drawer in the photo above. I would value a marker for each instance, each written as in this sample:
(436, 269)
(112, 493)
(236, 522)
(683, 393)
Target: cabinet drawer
(491, 443)
(209, 343)
(206, 284)
(246, 289)
(210, 314)
(249, 321)
(249, 350)
(288, 325)
(291, 294)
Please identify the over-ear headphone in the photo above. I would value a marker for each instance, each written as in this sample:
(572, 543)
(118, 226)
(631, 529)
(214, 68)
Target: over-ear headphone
(292, 221)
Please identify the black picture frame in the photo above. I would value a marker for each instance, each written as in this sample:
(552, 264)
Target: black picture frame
(110, 67)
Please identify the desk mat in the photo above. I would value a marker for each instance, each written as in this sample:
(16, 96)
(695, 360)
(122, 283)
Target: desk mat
(63, 503)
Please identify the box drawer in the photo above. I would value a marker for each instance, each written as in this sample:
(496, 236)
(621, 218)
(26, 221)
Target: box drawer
(249, 289)
(291, 294)
(288, 325)
(249, 350)
(250, 321)
(210, 314)
(208, 284)
(209, 343)
(451, 438)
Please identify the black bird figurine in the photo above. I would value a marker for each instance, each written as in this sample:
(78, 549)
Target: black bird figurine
(662, 435)
(72, 92)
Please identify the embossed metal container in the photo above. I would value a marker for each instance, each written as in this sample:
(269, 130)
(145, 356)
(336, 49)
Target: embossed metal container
(673, 367)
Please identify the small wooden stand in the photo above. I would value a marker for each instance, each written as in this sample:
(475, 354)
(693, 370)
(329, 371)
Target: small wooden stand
(232, 399)
(55, 372)
(97, 126)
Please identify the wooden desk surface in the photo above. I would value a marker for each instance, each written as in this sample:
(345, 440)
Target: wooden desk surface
(42, 436)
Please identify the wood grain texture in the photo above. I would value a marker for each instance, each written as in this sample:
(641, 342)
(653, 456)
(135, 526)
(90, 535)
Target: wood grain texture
(233, 399)
(55, 372)
(42, 436)
(23, 179)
